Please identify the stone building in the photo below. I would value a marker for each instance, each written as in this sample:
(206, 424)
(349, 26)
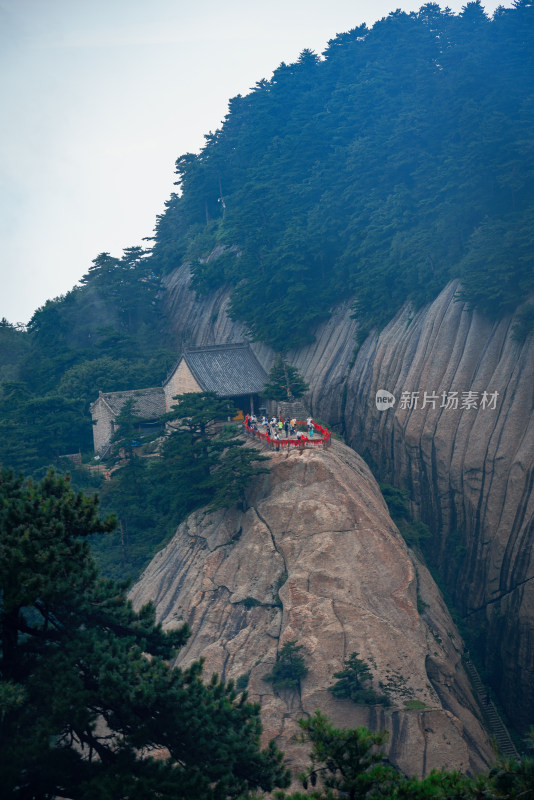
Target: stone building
(229, 370)
(149, 407)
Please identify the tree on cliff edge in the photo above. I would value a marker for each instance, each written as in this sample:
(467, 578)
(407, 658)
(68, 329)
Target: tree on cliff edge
(87, 696)
(285, 382)
(222, 467)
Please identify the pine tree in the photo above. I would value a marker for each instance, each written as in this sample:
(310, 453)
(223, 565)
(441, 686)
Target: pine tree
(345, 761)
(125, 436)
(232, 466)
(289, 668)
(87, 696)
(354, 682)
(285, 381)
(223, 465)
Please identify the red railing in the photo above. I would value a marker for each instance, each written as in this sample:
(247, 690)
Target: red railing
(321, 440)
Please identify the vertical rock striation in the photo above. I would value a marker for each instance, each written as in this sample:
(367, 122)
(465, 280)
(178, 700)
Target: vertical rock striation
(468, 471)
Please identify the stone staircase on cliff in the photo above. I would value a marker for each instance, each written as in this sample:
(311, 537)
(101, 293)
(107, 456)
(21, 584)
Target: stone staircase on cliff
(495, 725)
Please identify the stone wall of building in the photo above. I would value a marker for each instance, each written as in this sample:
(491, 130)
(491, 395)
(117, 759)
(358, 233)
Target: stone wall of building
(180, 382)
(103, 429)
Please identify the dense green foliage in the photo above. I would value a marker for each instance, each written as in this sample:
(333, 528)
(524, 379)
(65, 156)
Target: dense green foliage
(400, 159)
(87, 695)
(354, 682)
(35, 430)
(200, 463)
(103, 335)
(350, 764)
(13, 347)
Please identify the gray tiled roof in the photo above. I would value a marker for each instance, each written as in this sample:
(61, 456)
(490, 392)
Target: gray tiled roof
(149, 403)
(227, 369)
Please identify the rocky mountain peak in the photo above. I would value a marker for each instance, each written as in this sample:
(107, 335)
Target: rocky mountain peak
(315, 559)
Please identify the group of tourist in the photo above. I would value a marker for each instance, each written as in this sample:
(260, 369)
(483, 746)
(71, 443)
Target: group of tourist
(277, 426)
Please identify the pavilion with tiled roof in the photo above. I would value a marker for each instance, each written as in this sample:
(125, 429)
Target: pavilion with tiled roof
(230, 370)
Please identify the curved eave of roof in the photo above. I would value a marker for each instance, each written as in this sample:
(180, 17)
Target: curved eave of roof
(150, 403)
(227, 370)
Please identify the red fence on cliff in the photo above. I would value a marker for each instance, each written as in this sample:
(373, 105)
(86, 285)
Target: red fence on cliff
(321, 440)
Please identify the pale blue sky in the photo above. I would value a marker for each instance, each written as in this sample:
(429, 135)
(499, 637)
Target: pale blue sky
(98, 100)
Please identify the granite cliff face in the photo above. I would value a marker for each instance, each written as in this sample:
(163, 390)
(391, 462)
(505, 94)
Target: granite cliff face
(469, 471)
(316, 559)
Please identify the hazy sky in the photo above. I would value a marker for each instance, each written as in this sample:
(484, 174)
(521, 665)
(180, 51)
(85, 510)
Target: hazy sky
(99, 98)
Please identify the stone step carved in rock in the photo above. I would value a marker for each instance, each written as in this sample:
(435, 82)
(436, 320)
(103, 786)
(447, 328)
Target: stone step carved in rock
(493, 719)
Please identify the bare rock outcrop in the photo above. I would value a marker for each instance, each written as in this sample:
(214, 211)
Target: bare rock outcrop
(316, 559)
(469, 472)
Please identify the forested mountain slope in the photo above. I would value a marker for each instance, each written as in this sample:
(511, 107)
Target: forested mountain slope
(106, 334)
(398, 160)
